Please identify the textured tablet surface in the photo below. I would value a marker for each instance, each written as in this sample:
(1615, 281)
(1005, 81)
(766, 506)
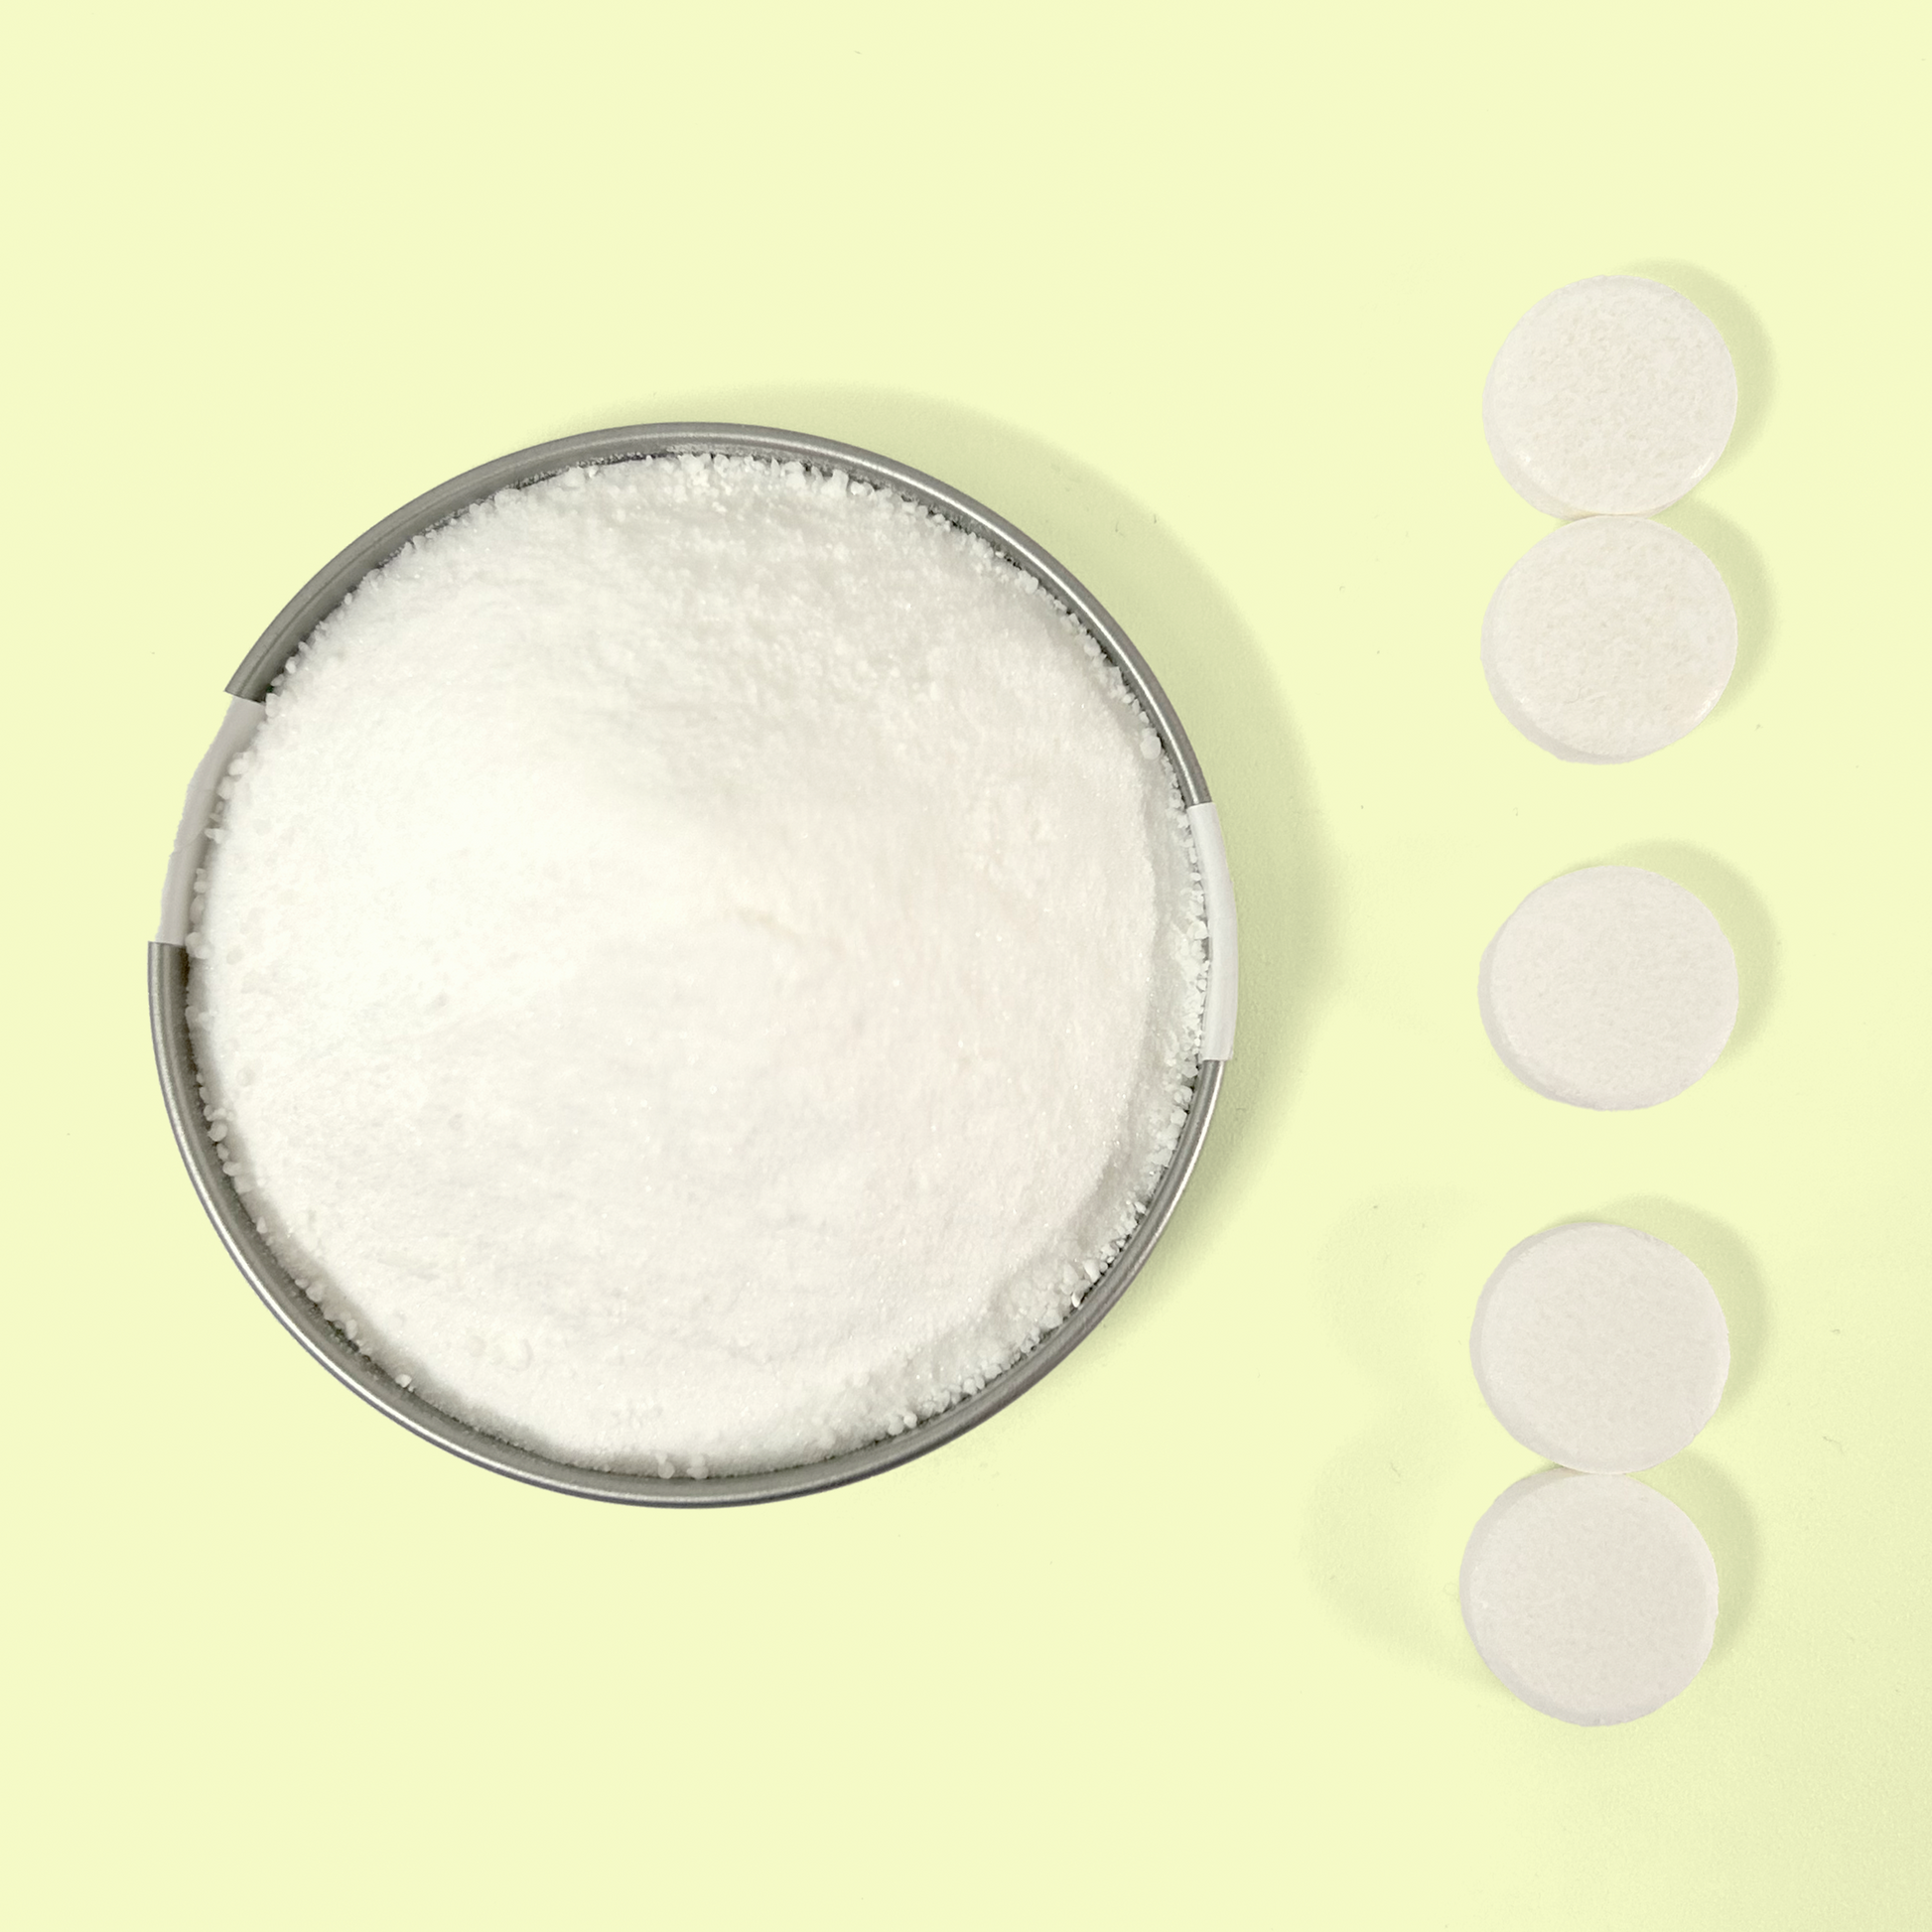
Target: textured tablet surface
(1613, 987)
(1593, 1598)
(1610, 639)
(1601, 1347)
(1613, 397)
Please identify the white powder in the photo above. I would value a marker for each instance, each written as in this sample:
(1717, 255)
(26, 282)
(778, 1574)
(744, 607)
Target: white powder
(700, 966)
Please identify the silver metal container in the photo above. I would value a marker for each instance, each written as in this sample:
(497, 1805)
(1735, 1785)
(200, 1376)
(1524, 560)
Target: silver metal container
(168, 966)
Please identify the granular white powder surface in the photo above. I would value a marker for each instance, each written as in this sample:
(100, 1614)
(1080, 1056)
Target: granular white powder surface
(700, 966)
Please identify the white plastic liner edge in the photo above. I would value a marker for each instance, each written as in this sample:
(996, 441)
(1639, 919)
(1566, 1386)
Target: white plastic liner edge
(1223, 953)
(178, 888)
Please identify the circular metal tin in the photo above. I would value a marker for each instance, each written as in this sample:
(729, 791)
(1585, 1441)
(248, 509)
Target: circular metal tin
(173, 1050)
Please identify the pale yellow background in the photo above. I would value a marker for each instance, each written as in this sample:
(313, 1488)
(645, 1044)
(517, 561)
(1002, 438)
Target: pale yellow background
(1202, 298)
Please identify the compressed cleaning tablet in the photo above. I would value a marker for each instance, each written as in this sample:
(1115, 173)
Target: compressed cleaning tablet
(1611, 987)
(1611, 638)
(1591, 1597)
(1601, 1347)
(1613, 397)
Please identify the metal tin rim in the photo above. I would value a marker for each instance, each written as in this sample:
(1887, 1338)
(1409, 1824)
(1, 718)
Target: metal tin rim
(174, 1052)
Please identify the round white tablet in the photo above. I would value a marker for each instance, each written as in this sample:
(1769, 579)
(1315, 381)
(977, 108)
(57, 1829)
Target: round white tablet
(1610, 988)
(1613, 397)
(1601, 1347)
(1610, 639)
(1591, 1597)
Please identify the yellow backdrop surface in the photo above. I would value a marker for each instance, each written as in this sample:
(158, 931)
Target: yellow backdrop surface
(1204, 299)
